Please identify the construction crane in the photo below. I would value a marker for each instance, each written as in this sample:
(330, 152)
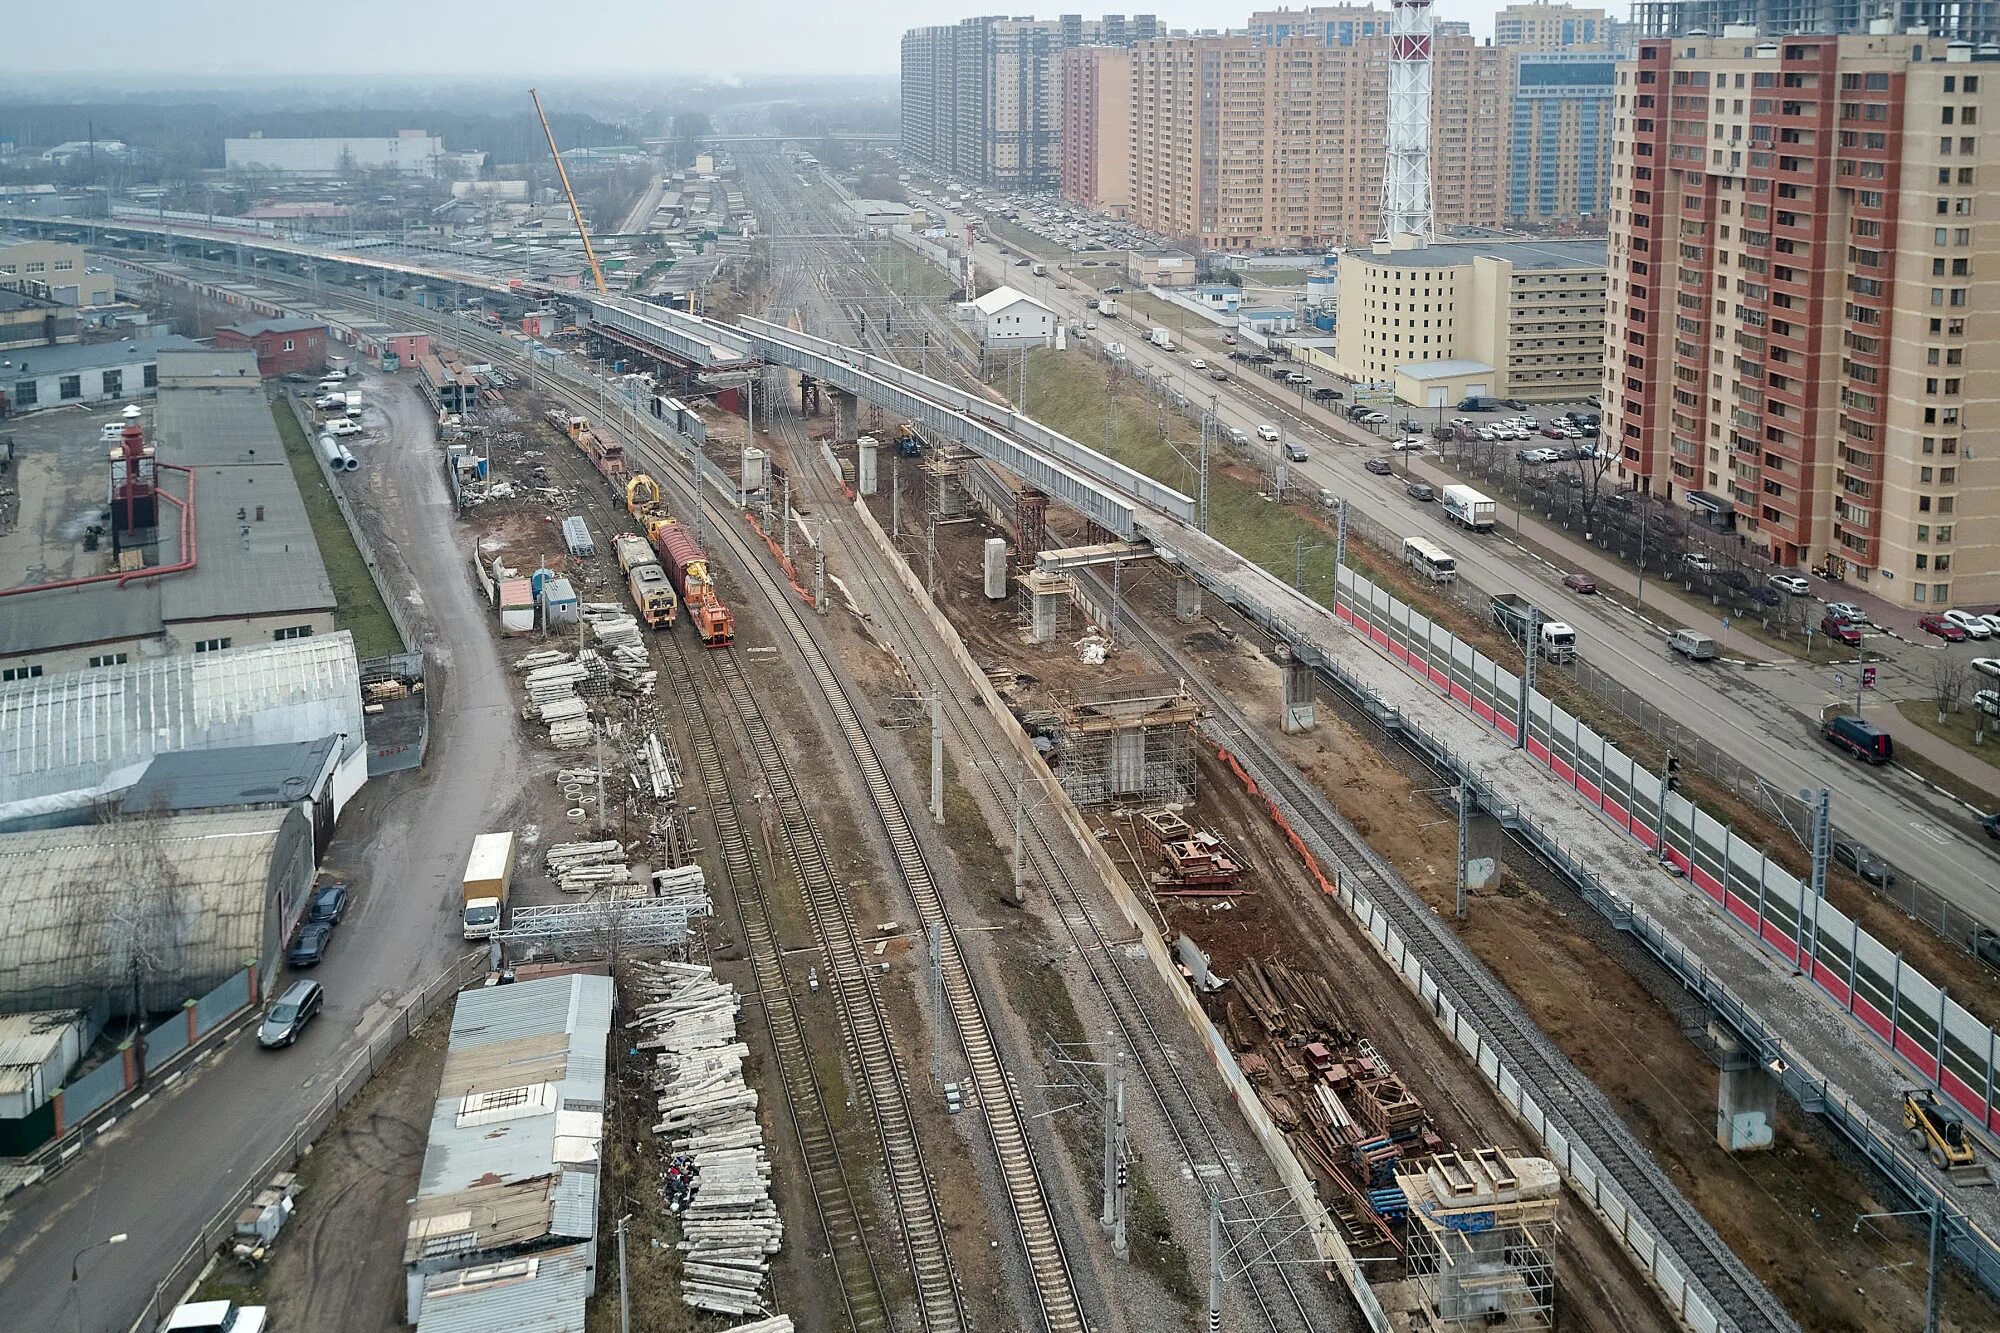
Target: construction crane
(589, 252)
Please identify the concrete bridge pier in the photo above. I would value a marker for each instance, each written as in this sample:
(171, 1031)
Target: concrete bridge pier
(1187, 601)
(865, 465)
(1746, 1100)
(1298, 684)
(846, 415)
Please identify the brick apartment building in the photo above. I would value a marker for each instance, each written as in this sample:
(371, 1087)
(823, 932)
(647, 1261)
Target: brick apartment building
(1804, 293)
(283, 346)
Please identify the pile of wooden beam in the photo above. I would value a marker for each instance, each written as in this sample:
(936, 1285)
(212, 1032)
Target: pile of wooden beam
(682, 885)
(708, 1113)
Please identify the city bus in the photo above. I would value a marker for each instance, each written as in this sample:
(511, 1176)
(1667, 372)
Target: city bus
(1429, 559)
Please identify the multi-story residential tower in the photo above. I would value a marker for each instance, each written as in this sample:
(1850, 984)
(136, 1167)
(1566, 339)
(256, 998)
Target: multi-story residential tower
(1558, 135)
(1804, 300)
(1239, 144)
(1096, 127)
(1551, 27)
(982, 98)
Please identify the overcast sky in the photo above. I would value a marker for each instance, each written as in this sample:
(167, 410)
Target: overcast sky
(533, 37)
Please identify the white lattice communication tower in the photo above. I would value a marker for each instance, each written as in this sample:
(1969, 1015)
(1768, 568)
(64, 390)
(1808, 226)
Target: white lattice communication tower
(1406, 174)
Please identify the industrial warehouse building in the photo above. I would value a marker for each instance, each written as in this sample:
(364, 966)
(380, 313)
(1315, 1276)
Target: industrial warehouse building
(283, 346)
(73, 743)
(411, 152)
(165, 908)
(209, 544)
(74, 374)
(56, 270)
(503, 1231)
(1517, 319)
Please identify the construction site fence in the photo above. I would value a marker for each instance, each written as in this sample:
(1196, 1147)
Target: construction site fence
(1917, 900)
(1329, 1244)
(1913, 1017)
(383, 1043)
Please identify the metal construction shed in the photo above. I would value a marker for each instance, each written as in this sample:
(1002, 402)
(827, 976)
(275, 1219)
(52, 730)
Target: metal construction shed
(67, 742)
(175, 904)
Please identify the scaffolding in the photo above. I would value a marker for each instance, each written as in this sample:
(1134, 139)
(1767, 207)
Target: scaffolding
(1031, 521)
(1482, 1238)
(1045, 604)
(1956, 20)
(1129, 739)
(946, 497)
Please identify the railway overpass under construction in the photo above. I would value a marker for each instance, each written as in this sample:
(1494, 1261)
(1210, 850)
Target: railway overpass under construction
(1828, 1013)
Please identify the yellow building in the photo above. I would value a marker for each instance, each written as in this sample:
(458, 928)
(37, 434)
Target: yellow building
(1530, 312)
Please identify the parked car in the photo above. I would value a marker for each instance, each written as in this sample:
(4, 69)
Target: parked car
(1763, 596)
(1229, 338)
(1413, 445)
(1992, 620)
(329, 904)
(1595, 401)
(1848, 612)
(115, 430)
(1536, 455)
(1379, 466)
(215, 1317)
(290, 1013)
(1579, 584)
(1374, 419)
(1516, 404)
(1988, 665)
(1840, 631)
(1295, 378)
(1987, 702)
(1944, 629)
(1991, 823)
(1974, 625)
(1695, 560)
(1420, 492)
(1862, 860)
(342, 426)
(1790, 583)
(309, 949)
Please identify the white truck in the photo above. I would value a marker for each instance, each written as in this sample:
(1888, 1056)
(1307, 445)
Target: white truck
(1468, 507)
(1161, 338)
(1039, 270)
(353, 403)
(488, 872)
(1108, 308)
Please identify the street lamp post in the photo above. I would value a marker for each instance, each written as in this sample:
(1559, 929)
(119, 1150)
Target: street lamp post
(76, 1270)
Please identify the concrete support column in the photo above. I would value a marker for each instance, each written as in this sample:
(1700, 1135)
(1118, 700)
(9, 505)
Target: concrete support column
(846, 416)
(1746, 1100)
(864, 469)
(1187, 601)
(1042, 613)
(1298, 684)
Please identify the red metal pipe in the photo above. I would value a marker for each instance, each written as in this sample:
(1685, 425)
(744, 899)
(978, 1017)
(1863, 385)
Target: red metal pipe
(186, 562)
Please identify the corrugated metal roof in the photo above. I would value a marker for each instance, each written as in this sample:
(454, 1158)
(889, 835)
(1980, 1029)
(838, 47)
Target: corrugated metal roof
(65, 738)
(28, 1040)
(69, 358)
(233, 776)
(506, 1164)
(67, 897)
(543, 1293)
(208, 366)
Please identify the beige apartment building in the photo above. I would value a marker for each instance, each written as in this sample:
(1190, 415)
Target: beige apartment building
(1096, 151)
(1805, 300)
(1515, 319)
(55, 271)
(1237, 144)
(1551, 27)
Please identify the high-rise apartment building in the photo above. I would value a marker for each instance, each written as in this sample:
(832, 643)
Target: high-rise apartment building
(1558, 134)
(981, 98)
(1238, 144)
(1551, 27)
(1096, 127)
(1804, 300)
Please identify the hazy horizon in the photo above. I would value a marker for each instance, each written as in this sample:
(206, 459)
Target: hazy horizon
(622, 39)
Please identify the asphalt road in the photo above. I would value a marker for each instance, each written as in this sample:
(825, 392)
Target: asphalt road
(1763, 718)
(164, 1170)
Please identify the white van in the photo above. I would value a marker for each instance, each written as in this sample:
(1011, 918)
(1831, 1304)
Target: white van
(342, 426)
(1696, 647)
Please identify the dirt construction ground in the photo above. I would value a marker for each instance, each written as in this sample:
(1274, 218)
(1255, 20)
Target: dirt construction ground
(1791, 1212)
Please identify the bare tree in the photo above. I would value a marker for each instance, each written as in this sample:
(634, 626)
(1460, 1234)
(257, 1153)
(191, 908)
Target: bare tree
(1948, 677)
(141, 918)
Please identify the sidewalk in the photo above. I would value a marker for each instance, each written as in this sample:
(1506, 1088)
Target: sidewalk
(1959, 763)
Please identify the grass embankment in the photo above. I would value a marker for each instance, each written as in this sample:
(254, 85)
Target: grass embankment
(1073, 393)
(1958, 727)
(910, 275)
(1020, 238)
(358, 606)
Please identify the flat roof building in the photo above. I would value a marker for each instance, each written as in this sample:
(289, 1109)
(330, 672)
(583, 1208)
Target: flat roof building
(73, 374)
(1531, 312)
(409, 152)
(56, 270)
(213, 512)
(511, 1168)
(282, 346)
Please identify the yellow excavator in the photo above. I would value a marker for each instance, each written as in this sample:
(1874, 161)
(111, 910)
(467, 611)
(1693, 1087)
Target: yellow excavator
(1936, 1131)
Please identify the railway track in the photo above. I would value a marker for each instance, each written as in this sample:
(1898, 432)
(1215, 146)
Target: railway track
(863, 1300)
(1273, 1291)
(1559, 1087)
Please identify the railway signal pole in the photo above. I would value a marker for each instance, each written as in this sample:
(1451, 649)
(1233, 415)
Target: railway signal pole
(937, 756)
